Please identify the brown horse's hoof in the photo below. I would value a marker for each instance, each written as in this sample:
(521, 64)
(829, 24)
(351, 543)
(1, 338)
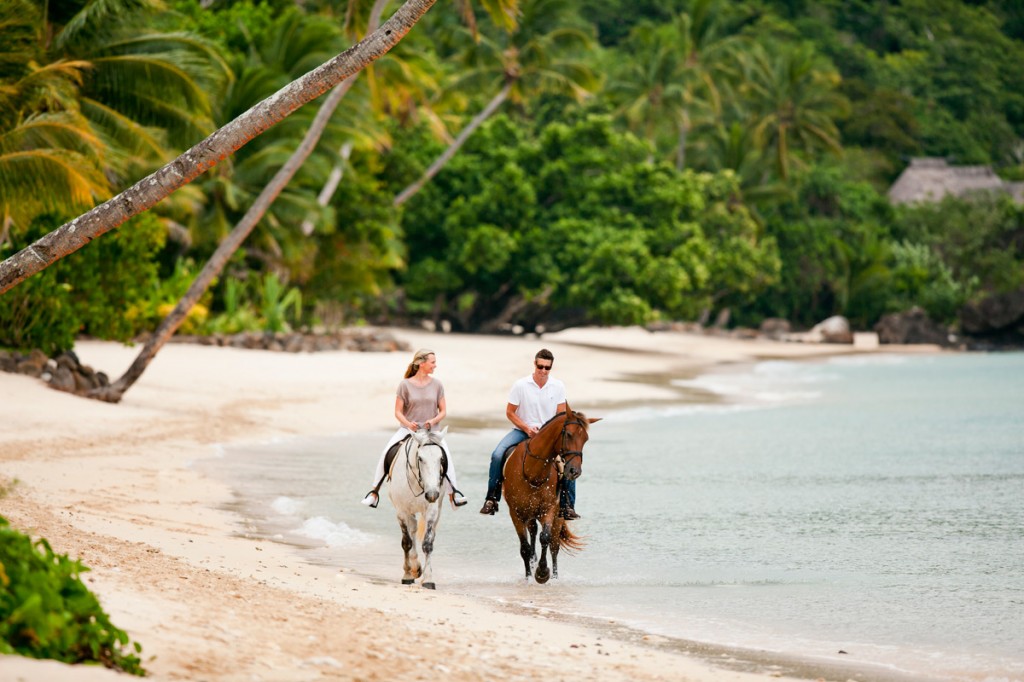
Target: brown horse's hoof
(407, 581)
(542, 575)
(429, 586)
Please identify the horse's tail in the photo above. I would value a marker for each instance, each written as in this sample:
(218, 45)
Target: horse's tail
(569, 541)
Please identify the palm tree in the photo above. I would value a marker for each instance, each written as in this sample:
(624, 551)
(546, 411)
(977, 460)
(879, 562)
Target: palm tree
(91, 99)
(50, 157)
(144, 87)
(648, 87)
(537, 56)
(215, 265)
(794, 101)
(732, 147)
(673, 74)
(291, 43)
(209, 152)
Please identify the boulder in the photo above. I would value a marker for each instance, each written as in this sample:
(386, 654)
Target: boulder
(912, 326)
(835, 329)
(996, 314)
(63, 379)
(775, 328)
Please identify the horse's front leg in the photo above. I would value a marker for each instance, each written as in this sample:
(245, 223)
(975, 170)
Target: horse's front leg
(556, 544)
(411, 565)
(433, 517)
(524, 544)
(532, 525)
(542, 573)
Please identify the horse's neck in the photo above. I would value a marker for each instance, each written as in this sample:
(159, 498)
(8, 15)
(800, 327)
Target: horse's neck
(546, 441)
(541, 450)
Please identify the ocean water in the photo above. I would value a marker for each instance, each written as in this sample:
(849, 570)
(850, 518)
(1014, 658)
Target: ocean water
(859, 514)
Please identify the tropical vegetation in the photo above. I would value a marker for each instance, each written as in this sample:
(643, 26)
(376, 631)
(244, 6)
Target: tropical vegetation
(568, 162)
(46, 611)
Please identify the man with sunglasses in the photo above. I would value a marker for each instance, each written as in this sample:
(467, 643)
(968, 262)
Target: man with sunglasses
(533, 400)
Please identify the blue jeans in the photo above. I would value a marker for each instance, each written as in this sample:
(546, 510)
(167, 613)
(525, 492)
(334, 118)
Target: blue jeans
(515, 437)
(568, 494)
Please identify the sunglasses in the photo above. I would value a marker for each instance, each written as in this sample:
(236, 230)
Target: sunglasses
(543, 368)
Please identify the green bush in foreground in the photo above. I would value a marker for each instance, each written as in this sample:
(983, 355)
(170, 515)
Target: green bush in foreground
(47, 612)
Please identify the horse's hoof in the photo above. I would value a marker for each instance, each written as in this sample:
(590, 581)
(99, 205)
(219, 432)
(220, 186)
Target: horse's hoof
(429, 586)
(542, 575)
(407, 581)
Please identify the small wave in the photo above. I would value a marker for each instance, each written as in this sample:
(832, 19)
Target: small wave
(869, 360)
(771, 383)
(647, 413)
(287, 506)
(332, 534)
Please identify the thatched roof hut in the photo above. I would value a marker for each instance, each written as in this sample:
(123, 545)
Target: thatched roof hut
(930, 179)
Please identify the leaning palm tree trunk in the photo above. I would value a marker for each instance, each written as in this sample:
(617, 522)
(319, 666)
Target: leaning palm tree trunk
(115, 391)
(147, 192)
(331, 186)
(448, 153)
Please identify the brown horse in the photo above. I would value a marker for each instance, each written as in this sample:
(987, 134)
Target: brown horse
(531, 474)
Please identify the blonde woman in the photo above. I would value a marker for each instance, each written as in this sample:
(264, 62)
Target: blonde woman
(419, 403)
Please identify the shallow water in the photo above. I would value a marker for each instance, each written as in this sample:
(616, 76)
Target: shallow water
(873, 506)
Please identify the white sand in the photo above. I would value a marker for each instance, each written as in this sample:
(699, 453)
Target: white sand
(111, 485)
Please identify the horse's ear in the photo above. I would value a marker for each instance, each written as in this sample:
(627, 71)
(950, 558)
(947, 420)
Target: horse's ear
(594, 419)
(441, 433)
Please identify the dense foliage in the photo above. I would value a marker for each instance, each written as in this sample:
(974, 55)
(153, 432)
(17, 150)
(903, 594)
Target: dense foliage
(47, 612)
(644, 160)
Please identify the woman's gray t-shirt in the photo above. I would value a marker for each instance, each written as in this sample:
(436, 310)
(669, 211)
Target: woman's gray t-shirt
(420, 403)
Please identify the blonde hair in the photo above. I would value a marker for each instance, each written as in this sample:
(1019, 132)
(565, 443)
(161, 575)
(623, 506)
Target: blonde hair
(417, 360)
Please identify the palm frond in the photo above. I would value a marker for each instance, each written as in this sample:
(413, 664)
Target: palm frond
(123, 135)
(99, 15)
(60, 130)
(44, 180)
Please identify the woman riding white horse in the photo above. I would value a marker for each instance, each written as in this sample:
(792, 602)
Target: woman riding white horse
(419, 403)
(415, 487)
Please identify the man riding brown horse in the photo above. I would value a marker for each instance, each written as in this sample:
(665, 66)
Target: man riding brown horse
(532, 401)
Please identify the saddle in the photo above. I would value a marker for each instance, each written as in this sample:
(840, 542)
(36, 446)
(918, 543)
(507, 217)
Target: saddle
(389, 459)
(508, 452)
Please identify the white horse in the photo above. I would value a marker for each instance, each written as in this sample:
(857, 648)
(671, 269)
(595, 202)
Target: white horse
(416, 489)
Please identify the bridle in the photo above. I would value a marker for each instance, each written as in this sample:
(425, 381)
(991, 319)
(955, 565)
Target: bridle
(413, 472)
(562, 455)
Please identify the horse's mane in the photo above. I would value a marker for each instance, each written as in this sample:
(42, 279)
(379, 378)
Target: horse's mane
(578, 413)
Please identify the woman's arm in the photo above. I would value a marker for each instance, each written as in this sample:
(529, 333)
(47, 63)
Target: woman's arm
(442, 411)
(400, 415)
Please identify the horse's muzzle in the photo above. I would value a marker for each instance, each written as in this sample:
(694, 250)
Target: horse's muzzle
(432, 496)
(572, 472)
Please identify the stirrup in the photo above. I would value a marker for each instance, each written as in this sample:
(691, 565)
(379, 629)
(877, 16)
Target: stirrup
(372, 499)
(458, 499)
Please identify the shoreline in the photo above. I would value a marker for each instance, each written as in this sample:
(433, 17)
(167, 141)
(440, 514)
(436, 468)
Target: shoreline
(112, 485)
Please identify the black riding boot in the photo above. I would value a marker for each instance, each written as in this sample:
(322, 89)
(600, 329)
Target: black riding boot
(565, 509)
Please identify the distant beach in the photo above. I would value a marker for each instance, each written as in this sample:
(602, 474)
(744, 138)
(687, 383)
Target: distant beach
(116, 486)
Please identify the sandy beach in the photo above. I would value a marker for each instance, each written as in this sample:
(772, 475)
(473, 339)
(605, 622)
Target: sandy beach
(112, 485)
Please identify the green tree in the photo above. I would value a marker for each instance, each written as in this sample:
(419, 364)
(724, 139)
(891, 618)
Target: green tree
(793, 102)
(541, 54)
(146, 193)
(577, 226)
(671, 76)
(51, 159)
